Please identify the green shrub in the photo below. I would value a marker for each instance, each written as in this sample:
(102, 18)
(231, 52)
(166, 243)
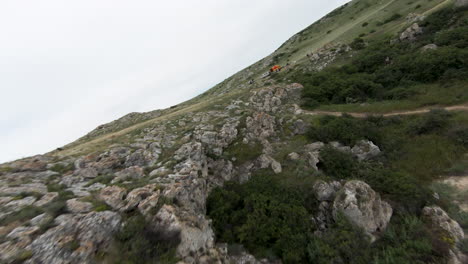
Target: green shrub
(24, 214)
(138, 242)
(463, 246)
(435, 121)
(60, 168)
(341, 243)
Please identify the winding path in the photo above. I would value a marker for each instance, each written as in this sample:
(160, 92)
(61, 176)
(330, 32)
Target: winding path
(462, 107)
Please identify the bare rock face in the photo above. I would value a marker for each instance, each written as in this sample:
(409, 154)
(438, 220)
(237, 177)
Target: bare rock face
(362, 206)
(411, 33)
(76, 238)
(439, 220)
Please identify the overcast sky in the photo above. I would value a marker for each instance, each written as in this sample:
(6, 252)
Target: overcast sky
(68, 66)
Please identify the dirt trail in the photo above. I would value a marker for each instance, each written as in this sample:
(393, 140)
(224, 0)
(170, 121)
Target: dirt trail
(463, 107)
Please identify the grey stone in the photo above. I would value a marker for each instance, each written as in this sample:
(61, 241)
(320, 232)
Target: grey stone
(362, 206)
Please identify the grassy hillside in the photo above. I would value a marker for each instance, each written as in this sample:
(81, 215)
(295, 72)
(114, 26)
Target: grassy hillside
(383, 17)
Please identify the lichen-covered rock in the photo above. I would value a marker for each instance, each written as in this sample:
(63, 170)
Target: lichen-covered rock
(440, 221)
(196, 235)
(265, 161)
(144, 198)
(362, 206)
(411, 32)
(76, 239)
(461, 3)
(131, 173)
(293, 156)
(325, 191)
(24, 188)
(365, 149)
(78, 207)
(113, 196)
(40, 219)
(46, 199)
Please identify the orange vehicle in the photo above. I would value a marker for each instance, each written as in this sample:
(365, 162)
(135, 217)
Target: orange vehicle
(275, 68)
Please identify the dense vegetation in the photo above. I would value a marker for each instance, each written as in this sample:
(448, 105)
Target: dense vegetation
(270, 215)
(392, 70)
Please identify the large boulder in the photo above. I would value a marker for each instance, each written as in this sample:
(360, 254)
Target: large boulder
(362, 206)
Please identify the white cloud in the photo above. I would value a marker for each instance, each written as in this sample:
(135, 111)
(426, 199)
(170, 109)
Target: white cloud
(68, 66)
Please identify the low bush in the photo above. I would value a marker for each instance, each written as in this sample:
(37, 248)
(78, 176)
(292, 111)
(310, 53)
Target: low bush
(338, 164)
(269, 219)
(138, 242)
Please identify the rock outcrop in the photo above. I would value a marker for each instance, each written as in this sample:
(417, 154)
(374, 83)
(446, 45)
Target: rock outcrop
(362, 206)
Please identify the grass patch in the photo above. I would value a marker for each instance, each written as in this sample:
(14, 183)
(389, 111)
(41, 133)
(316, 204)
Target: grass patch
(243, 152)
(24, 214)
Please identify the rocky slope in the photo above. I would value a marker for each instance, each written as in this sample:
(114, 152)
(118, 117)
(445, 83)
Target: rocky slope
(66, 206)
